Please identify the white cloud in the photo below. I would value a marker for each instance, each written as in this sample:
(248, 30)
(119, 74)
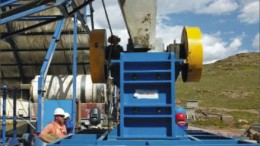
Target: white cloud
(215, 48)
(168, 33)
(214, 7)
(218, 7)
(255, 42)
(250, 13)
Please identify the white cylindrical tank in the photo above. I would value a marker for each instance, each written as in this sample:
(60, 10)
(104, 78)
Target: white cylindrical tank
(61, 87)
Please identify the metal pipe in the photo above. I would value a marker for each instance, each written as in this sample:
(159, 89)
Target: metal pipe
(14, 113)
(38, 64)
(85, 12)
(4, 115)
(92, 16)
(41, 50)
(74, 71)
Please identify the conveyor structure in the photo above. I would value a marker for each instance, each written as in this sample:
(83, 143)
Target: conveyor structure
(144, 77)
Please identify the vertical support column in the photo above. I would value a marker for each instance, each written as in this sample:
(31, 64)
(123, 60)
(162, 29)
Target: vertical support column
(75, 36)
(4, 115)
(43, 73)
(122, 92)
(174, 127)
(85, 12)
(14, 113)
(92, 16)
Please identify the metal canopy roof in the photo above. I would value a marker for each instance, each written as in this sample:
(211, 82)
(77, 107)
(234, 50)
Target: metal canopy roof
(22, 55)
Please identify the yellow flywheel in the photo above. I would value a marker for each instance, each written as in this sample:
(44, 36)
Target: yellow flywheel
(97, 45)
(191, 41)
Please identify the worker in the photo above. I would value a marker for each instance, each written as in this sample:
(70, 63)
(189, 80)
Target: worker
(68, 123)
(56, 129)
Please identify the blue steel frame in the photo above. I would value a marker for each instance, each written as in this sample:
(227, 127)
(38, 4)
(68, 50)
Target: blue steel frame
(74, 71)
(29, 12)
(4, 115)
(24, 14)
(6, 3)
(4, 140)
(43, 73)
(14, 140)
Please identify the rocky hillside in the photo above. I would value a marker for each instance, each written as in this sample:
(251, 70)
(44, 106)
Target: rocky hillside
(230, 86)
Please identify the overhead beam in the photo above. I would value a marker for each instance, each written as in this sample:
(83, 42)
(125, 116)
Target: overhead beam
(39, 64)
(30, 27)
(35, 10)
(40, 50)
(16, 56)
(81, 18)
(44, 33)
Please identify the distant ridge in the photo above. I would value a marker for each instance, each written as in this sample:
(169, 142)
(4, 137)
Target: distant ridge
(231, 85)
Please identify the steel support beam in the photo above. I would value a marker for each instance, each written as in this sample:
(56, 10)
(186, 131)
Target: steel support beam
(4, 115)
(22, 11)
(44, 50)
(74, 70)
(16, 78)
(38, 64)
(36, 10)
(38, 18)
(30, 27)
(43, 33)
(16, 56)
(81, 18)
(7, 3)
(43, 73)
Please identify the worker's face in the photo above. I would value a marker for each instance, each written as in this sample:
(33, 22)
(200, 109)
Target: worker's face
(59, 119)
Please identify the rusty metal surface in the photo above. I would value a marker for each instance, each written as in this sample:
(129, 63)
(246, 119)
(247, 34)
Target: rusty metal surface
(140, 19)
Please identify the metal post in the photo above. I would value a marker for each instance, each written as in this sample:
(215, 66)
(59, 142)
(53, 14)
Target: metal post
(14, 113)
(92, 16)
(74, 70)
(43, 73)
(85, 12)
(174, 126)
(4, 115)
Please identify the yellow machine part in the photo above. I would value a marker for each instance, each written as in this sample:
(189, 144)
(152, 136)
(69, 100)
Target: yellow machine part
(97, 45)
(192, 43)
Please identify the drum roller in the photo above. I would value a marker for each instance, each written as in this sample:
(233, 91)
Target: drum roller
(60, 88)
(192, 51)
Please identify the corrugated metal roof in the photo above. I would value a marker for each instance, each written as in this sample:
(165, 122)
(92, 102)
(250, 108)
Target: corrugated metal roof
(31, 47)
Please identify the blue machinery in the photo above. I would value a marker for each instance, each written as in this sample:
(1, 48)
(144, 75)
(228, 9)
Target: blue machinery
(147, 88)
(147, 108)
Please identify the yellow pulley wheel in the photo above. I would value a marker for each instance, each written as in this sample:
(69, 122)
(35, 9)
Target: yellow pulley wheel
(192, 49)
(97, 45)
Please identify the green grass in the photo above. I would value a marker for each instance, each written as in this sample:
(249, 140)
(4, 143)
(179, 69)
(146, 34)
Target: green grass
(250, 117)
(222, 86)
(212, 122)
(233, 83)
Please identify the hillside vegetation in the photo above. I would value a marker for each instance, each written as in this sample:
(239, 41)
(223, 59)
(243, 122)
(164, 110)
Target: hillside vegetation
(231, 85)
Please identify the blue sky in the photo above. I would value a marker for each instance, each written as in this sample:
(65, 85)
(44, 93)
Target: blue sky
(228, 27)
